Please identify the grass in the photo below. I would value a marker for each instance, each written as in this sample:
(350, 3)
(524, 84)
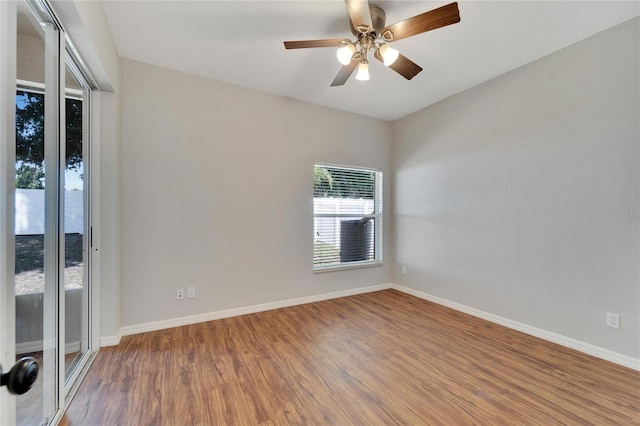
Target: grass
(30, 252)
(324, 253)
(29, 265)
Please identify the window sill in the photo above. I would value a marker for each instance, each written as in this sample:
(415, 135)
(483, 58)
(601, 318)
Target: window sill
(351, 265)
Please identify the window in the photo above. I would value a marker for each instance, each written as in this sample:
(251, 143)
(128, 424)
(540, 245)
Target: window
(347, 217)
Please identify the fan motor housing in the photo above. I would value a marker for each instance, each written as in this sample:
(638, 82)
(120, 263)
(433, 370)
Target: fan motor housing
(378, 19)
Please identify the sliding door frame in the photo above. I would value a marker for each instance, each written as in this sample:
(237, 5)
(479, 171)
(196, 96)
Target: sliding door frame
(86, 333)
(8, 47)
(54, 194)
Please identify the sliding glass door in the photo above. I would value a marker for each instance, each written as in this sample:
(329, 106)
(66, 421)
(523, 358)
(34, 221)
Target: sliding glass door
(37, 210)
(46, 244)
(75, 231)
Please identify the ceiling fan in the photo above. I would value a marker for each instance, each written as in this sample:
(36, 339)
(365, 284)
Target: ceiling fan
(368, 26)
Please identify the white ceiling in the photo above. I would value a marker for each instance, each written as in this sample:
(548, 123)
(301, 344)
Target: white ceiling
(240, 42)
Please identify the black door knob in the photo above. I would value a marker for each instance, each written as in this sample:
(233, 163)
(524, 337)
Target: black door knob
(21, 376)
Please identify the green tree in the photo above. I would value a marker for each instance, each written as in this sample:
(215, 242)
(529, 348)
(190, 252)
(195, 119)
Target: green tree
(73, 112)
(322, 182)
(343, 183)
(29, 176)
(30, 127)
(30, 121)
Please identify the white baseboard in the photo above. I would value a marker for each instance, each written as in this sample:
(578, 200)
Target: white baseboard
(110, 340)
(37, 345)
(578, 345)
(210, 316)
(29, 347)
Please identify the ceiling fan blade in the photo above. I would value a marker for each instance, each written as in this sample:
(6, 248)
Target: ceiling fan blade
(403, 66)
(360, 14)
(303, 44)
(344, 74)
(431, 20)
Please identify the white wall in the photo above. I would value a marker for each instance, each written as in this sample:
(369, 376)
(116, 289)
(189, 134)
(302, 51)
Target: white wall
(217, 193)
(504, 194)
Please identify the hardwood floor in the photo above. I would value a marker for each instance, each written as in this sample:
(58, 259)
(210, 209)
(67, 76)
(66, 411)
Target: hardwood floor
(377, 358)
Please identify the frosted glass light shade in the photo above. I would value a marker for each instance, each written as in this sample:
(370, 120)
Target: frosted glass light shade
(389, 54)
(345, 53)
(363, 71)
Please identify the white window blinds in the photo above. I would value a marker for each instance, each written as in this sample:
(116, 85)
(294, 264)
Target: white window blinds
(347, 210)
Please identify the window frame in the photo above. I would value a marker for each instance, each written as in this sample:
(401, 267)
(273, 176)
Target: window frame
(377, 216)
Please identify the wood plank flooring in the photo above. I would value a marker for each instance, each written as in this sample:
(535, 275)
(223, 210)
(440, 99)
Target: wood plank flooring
(373, 359)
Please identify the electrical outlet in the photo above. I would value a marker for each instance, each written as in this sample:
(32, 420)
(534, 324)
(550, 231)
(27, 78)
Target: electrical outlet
(180, 293)
(191, 292)
(613, 320)
(404, 269)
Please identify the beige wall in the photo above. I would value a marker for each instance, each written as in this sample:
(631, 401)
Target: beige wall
(520, 197)
(30, 62)
(217, 193)
(502, 192)
(30, 59)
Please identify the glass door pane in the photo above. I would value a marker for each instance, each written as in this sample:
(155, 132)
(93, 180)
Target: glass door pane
(75, 207)
(36, 210)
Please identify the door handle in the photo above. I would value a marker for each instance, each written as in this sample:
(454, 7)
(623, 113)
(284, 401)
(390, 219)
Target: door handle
(21, 376)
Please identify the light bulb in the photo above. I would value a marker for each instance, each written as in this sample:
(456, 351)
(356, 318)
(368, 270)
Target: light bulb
(345, 53)
(389, 54)
(363, 71)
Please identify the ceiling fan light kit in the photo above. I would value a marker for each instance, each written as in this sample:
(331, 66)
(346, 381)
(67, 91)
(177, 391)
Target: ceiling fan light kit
(368, 25)
(363, 70)
(388, 53)
(346, 52)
